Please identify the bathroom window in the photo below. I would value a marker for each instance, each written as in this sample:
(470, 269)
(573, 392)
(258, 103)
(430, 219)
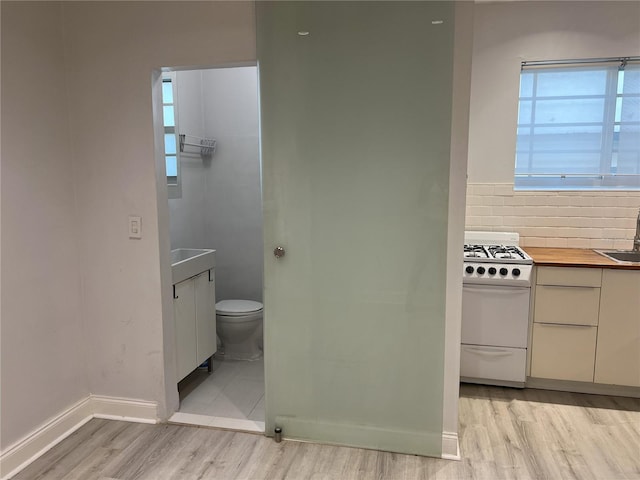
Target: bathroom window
(579, 125)
(169, 118)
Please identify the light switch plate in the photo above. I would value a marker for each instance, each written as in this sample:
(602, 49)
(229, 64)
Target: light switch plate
(135, 226)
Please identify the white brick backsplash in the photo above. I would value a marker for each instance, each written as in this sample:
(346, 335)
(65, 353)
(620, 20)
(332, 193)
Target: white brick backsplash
(558, 242)
(624, 222)
(535, 242)
(616, 233)
(495, 200)
(580, 242)
(474, 222)
(474, 200)
(601, 243)
(621, 244)
(578, 219)
(492, 221)
(512, 221)
(478, 210)
(503, 189)
(484, 189)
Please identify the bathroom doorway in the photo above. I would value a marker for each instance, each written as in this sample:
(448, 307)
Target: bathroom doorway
(211, 141)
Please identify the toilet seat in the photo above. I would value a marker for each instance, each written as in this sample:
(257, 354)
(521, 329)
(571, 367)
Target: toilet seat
(237, 308)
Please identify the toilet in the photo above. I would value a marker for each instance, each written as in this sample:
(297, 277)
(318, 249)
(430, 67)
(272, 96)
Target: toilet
(239, 326)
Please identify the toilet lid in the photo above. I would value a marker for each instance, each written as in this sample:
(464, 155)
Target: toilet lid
(237, 307)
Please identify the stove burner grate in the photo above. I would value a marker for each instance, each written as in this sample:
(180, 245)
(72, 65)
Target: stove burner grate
(476, 251)
(506, 252)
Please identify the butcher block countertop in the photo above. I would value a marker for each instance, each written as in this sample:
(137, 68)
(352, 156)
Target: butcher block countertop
(573, 257)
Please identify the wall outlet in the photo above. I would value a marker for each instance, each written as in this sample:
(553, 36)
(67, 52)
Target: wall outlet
(135, 226)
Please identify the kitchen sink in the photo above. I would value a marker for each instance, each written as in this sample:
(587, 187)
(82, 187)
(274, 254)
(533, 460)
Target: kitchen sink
(189, 262)
(627, 256)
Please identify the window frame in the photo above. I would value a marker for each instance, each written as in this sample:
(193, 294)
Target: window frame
(174, 189)
(607, 179)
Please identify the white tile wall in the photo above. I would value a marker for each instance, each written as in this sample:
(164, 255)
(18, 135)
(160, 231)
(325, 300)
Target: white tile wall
(554, 219)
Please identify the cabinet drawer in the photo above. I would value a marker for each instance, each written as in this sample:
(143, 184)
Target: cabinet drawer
(563, 352)
(566, 305)
(495, 363)
(571, 277)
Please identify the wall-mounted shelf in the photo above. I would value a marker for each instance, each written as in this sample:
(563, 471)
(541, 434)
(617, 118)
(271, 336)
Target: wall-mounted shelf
(207, 146)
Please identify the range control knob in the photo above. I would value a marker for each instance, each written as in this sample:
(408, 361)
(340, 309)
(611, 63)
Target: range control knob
(516, 272)
(469, 269)
(503, 271)
(492, 271)
(480, 270)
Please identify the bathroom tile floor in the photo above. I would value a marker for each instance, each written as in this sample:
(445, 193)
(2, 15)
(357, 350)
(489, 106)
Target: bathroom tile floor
(231, 396)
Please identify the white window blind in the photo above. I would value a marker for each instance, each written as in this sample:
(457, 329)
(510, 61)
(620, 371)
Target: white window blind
(579, 127)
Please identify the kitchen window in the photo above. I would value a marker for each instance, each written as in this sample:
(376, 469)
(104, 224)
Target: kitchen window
(579, 125)
(169, 120)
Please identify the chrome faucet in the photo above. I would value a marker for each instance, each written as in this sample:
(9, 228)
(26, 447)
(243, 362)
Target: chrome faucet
(636, 239)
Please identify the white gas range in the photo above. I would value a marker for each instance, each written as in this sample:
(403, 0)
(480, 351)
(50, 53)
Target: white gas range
(495, 309)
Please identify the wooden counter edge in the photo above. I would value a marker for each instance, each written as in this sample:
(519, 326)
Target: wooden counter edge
(573, 257)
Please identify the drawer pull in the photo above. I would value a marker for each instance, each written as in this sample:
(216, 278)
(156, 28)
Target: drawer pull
(565, 325)
(490, 353)
(577, 287)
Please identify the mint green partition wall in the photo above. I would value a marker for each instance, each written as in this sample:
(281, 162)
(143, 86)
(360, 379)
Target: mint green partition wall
(355, 119)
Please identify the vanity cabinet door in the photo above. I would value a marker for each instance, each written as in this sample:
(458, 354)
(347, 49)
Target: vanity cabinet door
(618, 352)
(184, 309)
(205, 316)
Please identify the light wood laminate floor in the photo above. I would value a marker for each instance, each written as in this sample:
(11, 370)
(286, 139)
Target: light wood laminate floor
(504, 434)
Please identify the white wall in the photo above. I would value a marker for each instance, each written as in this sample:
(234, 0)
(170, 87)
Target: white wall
(221, 200)
(455, 236)
(187, 213)
(112, 48)
(505, 34)
(234, 198)
(42, 351)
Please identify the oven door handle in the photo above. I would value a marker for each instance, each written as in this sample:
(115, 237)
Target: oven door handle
(490, 353)
(503, 289)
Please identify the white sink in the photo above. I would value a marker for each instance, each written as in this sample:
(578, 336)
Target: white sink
(189, 262)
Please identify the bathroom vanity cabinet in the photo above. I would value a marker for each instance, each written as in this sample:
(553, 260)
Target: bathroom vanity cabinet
(194, 305)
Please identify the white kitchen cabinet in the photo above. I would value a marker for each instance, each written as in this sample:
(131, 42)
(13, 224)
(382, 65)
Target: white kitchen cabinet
(569, 276)
(618, 352)
(567, 296)
(565, 323)
(195, 322)
(567, 305)
(563, 352)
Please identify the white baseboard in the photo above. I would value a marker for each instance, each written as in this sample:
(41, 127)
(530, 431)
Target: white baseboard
(450, 446)
(22, 453)
(125, 409)
(25, 451)
(583, 387)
